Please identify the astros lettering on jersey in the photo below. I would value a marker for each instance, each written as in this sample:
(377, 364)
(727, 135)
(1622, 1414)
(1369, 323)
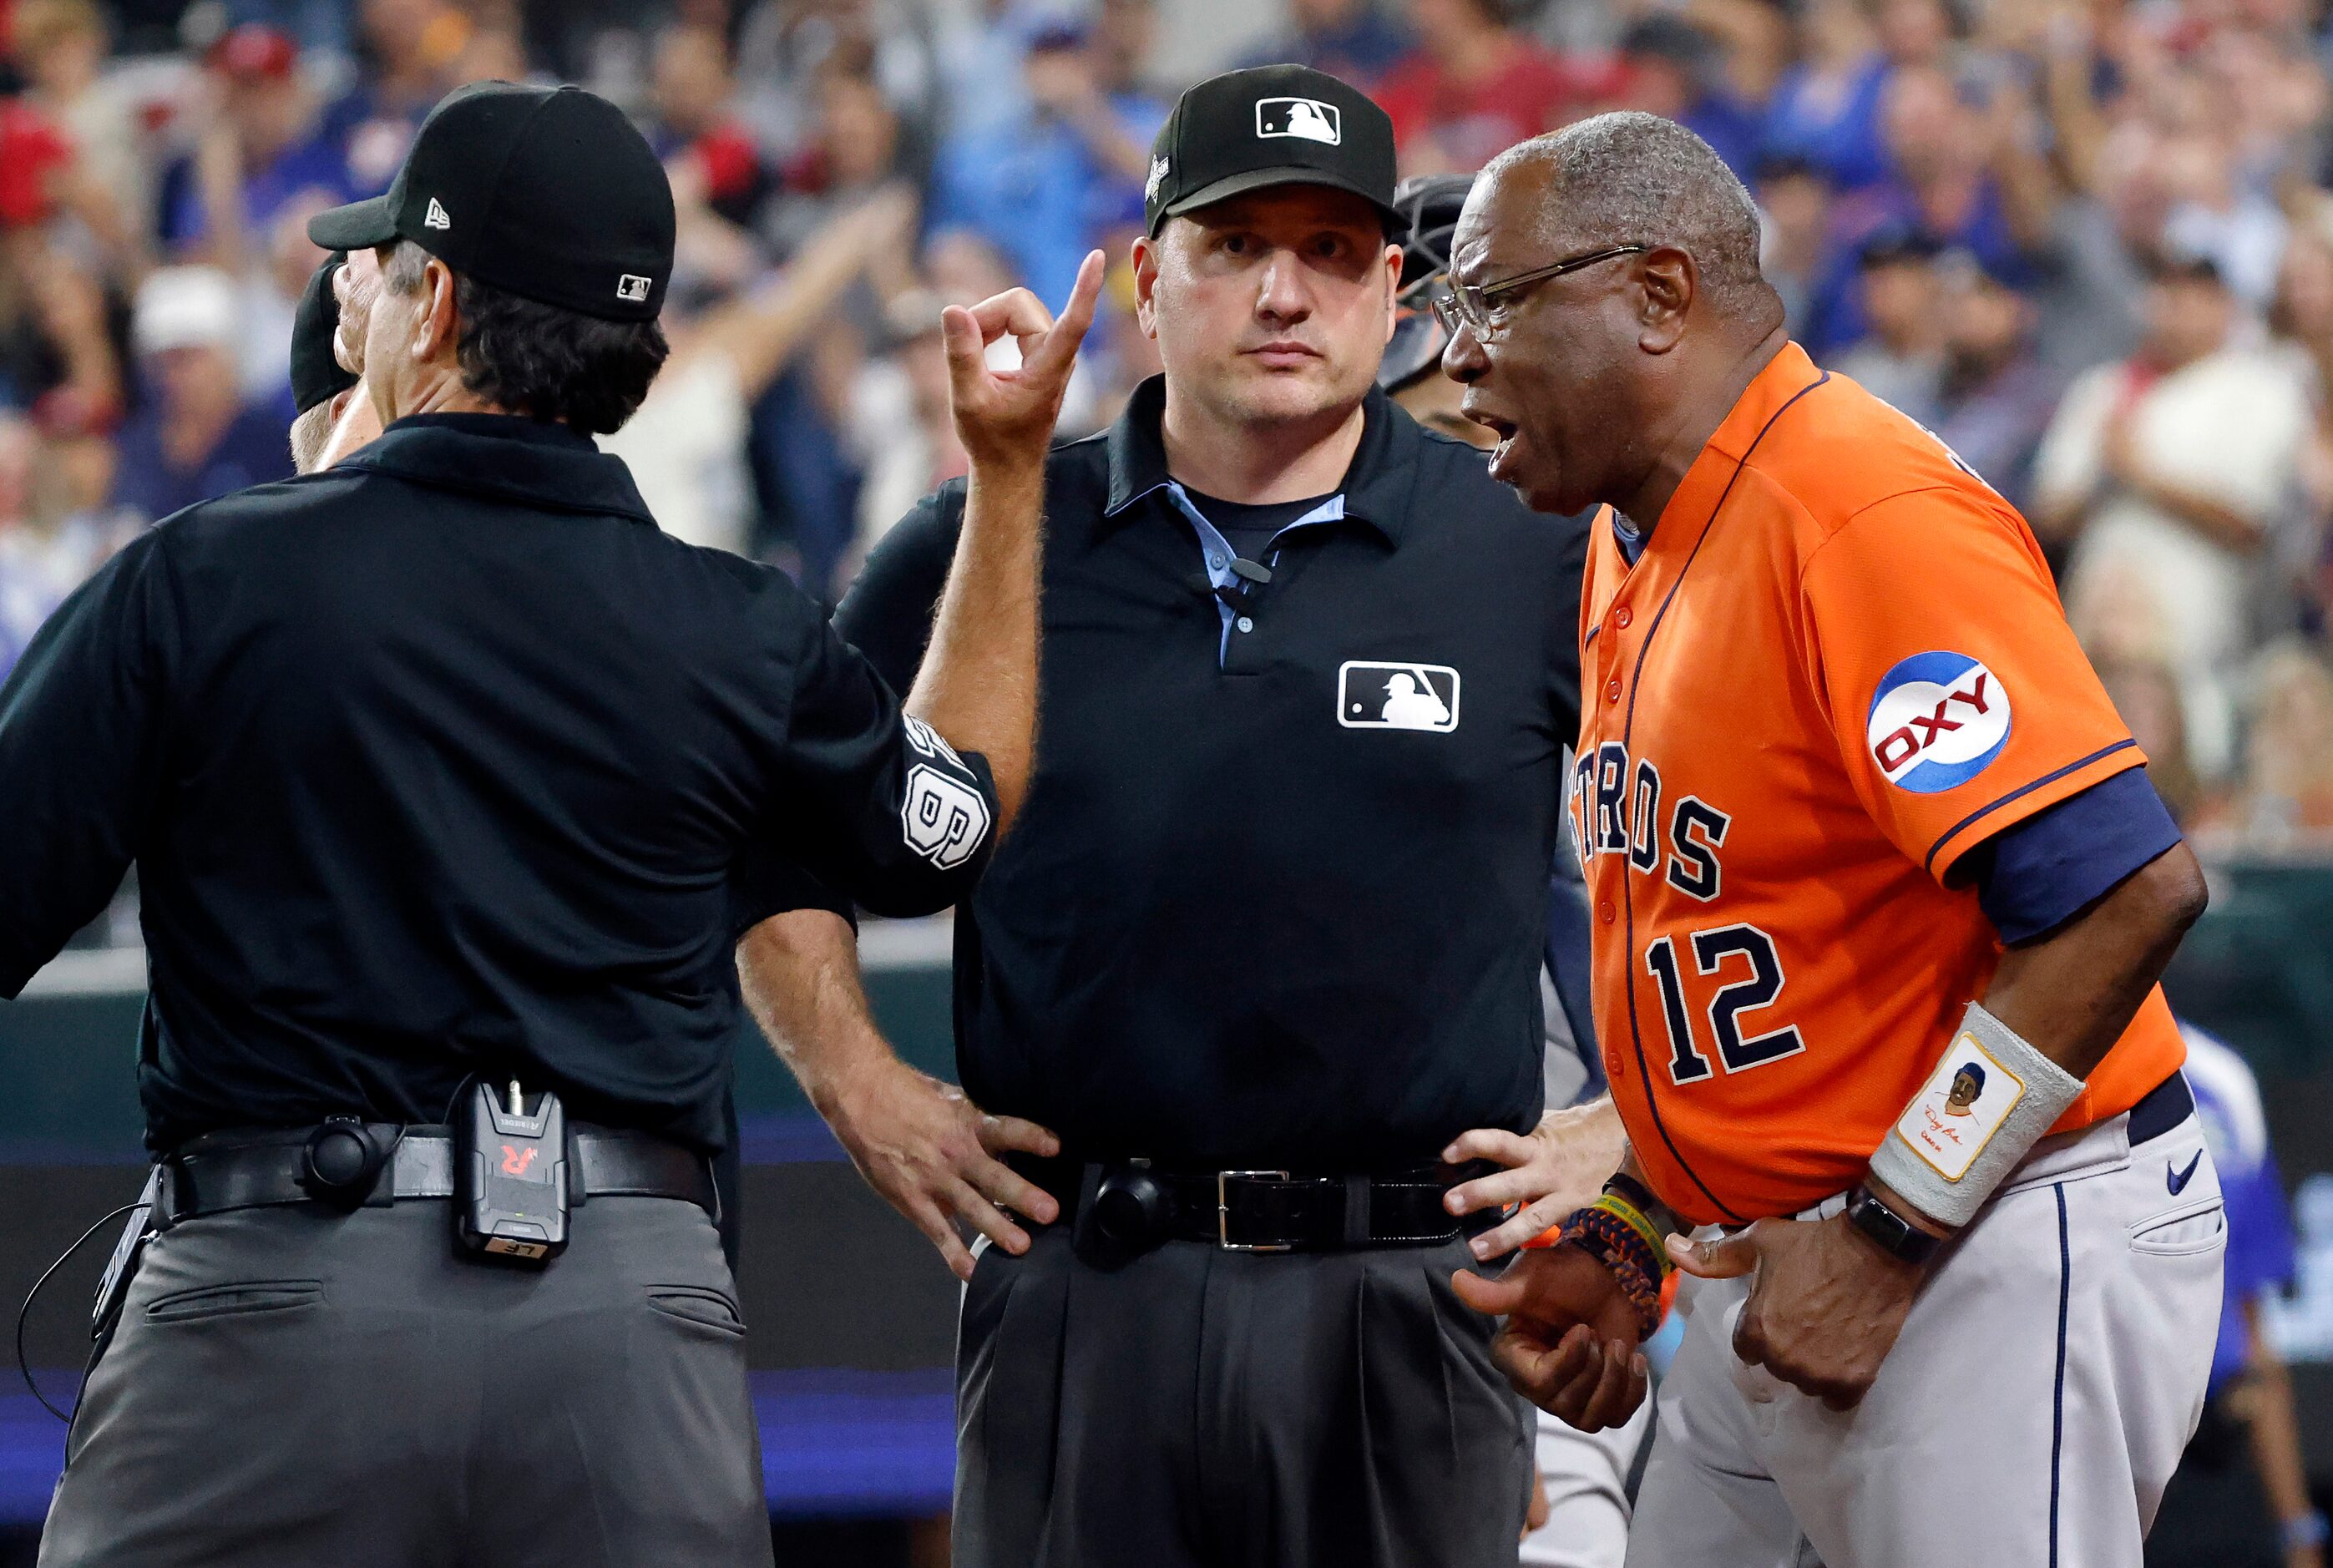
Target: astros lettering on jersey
(1838, 666)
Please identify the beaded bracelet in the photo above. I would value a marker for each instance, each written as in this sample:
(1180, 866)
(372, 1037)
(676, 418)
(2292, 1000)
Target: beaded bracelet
(1635, 1263)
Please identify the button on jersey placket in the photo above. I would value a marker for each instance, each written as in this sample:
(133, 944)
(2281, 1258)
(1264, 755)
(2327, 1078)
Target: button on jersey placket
(1240, 649)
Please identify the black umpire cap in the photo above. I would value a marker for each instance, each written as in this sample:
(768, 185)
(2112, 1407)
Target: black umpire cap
(316, 375)
(548, 193)
(1270, 125)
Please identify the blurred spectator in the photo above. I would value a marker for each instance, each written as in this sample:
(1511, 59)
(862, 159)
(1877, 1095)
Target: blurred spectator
(263, 139)
(2147, 695)
(1125, 36)
(2090, 293)
(1351, 40)
(785, 46)
(57, 356)
(1671, 68)
(1966, 169)
(2163, 475)
(54, 530)
(2289, 748)
(695, 130)
(2302, 317)
(1901, 358)
(196, 437)
(2215, 214)
(1826, 109)
(59, 46)
(1473, 88)
(267, 294)
(1966, 174)
(1043, 190)
(1995, 398)
(35, 157)
(900, 427)
(412, 47)
(1794, 201)
(687, 444)
(854, 151)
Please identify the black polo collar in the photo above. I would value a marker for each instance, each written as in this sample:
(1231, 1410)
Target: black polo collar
(527, 462)
(1379, 483)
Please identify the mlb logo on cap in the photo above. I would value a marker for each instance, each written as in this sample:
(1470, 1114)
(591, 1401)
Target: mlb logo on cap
(632, 287)
(1306, 116)
(1269, 125)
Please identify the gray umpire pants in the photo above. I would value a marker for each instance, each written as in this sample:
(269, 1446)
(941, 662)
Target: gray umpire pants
(1201, 1409)
(296, 1387)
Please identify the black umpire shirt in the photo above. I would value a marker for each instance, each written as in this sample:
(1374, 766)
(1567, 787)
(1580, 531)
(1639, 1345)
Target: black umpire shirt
(440, 762)
(1278, 892)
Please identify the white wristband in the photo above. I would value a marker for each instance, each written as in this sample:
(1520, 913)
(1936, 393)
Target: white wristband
(1990, 1098)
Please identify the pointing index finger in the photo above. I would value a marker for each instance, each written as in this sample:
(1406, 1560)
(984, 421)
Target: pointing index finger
(1061, 343)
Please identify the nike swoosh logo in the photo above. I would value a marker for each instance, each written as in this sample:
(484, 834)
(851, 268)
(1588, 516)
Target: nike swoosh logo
(2176, 1180)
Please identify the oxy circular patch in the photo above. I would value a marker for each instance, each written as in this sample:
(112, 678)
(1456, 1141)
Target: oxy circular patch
(1937, 720)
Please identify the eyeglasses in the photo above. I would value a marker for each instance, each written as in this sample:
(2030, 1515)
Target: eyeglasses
(1472, 305)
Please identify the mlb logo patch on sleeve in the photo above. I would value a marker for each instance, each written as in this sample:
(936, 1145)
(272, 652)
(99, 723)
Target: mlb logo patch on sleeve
(1307, 117)
(1397, 696)
(1937, 720)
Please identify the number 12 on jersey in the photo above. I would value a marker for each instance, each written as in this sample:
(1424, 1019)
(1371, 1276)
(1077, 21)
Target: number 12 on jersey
(1711, 950)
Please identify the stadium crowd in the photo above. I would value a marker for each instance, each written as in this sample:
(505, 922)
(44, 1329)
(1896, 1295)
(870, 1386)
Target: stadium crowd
(2088, 242)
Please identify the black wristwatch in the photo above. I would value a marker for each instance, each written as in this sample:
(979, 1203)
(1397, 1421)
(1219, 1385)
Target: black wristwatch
(1896, 1236)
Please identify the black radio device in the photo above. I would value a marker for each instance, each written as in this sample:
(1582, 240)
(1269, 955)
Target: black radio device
(514, 1174)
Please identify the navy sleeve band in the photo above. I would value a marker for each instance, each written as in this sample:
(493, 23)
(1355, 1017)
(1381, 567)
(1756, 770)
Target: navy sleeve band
(2037, 875)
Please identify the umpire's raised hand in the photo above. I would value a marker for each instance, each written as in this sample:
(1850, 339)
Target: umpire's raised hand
(1002, 416)
(977, 686)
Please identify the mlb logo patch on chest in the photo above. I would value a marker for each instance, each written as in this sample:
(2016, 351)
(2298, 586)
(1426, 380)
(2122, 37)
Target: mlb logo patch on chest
(1397, 696)
(1937, 720)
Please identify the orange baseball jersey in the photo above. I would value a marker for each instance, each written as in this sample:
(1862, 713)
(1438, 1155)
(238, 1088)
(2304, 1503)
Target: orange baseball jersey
(1837, 666)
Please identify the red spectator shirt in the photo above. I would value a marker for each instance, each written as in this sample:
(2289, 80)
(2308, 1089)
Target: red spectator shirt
(1472, 121)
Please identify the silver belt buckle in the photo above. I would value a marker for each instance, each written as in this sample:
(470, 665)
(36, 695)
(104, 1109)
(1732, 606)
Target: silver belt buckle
(1223, 1212)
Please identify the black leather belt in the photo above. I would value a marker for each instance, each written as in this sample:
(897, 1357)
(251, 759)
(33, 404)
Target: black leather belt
(1264, 1210)
(230, 1170)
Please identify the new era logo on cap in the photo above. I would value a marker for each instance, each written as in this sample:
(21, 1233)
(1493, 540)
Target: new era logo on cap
(563, 200)
(1306, 116)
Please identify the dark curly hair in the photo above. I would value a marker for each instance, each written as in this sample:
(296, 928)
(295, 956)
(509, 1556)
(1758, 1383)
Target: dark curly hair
(542, 360)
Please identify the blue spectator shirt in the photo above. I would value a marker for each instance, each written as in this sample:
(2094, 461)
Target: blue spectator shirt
(318, 162)
(1838, 136)
(1033, 191)
(2261, 1252)
(254, 448)
(1731, 127)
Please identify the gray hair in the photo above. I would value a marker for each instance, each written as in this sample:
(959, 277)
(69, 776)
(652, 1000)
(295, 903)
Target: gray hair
(310, 431)
(1628, 177)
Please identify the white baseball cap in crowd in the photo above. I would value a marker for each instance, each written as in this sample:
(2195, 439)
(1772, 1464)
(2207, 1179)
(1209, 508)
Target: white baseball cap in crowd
(184, 307)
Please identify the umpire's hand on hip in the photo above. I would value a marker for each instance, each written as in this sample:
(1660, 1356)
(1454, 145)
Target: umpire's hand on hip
(935, 1156)
(1825, 1308)
(1558, 1167)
